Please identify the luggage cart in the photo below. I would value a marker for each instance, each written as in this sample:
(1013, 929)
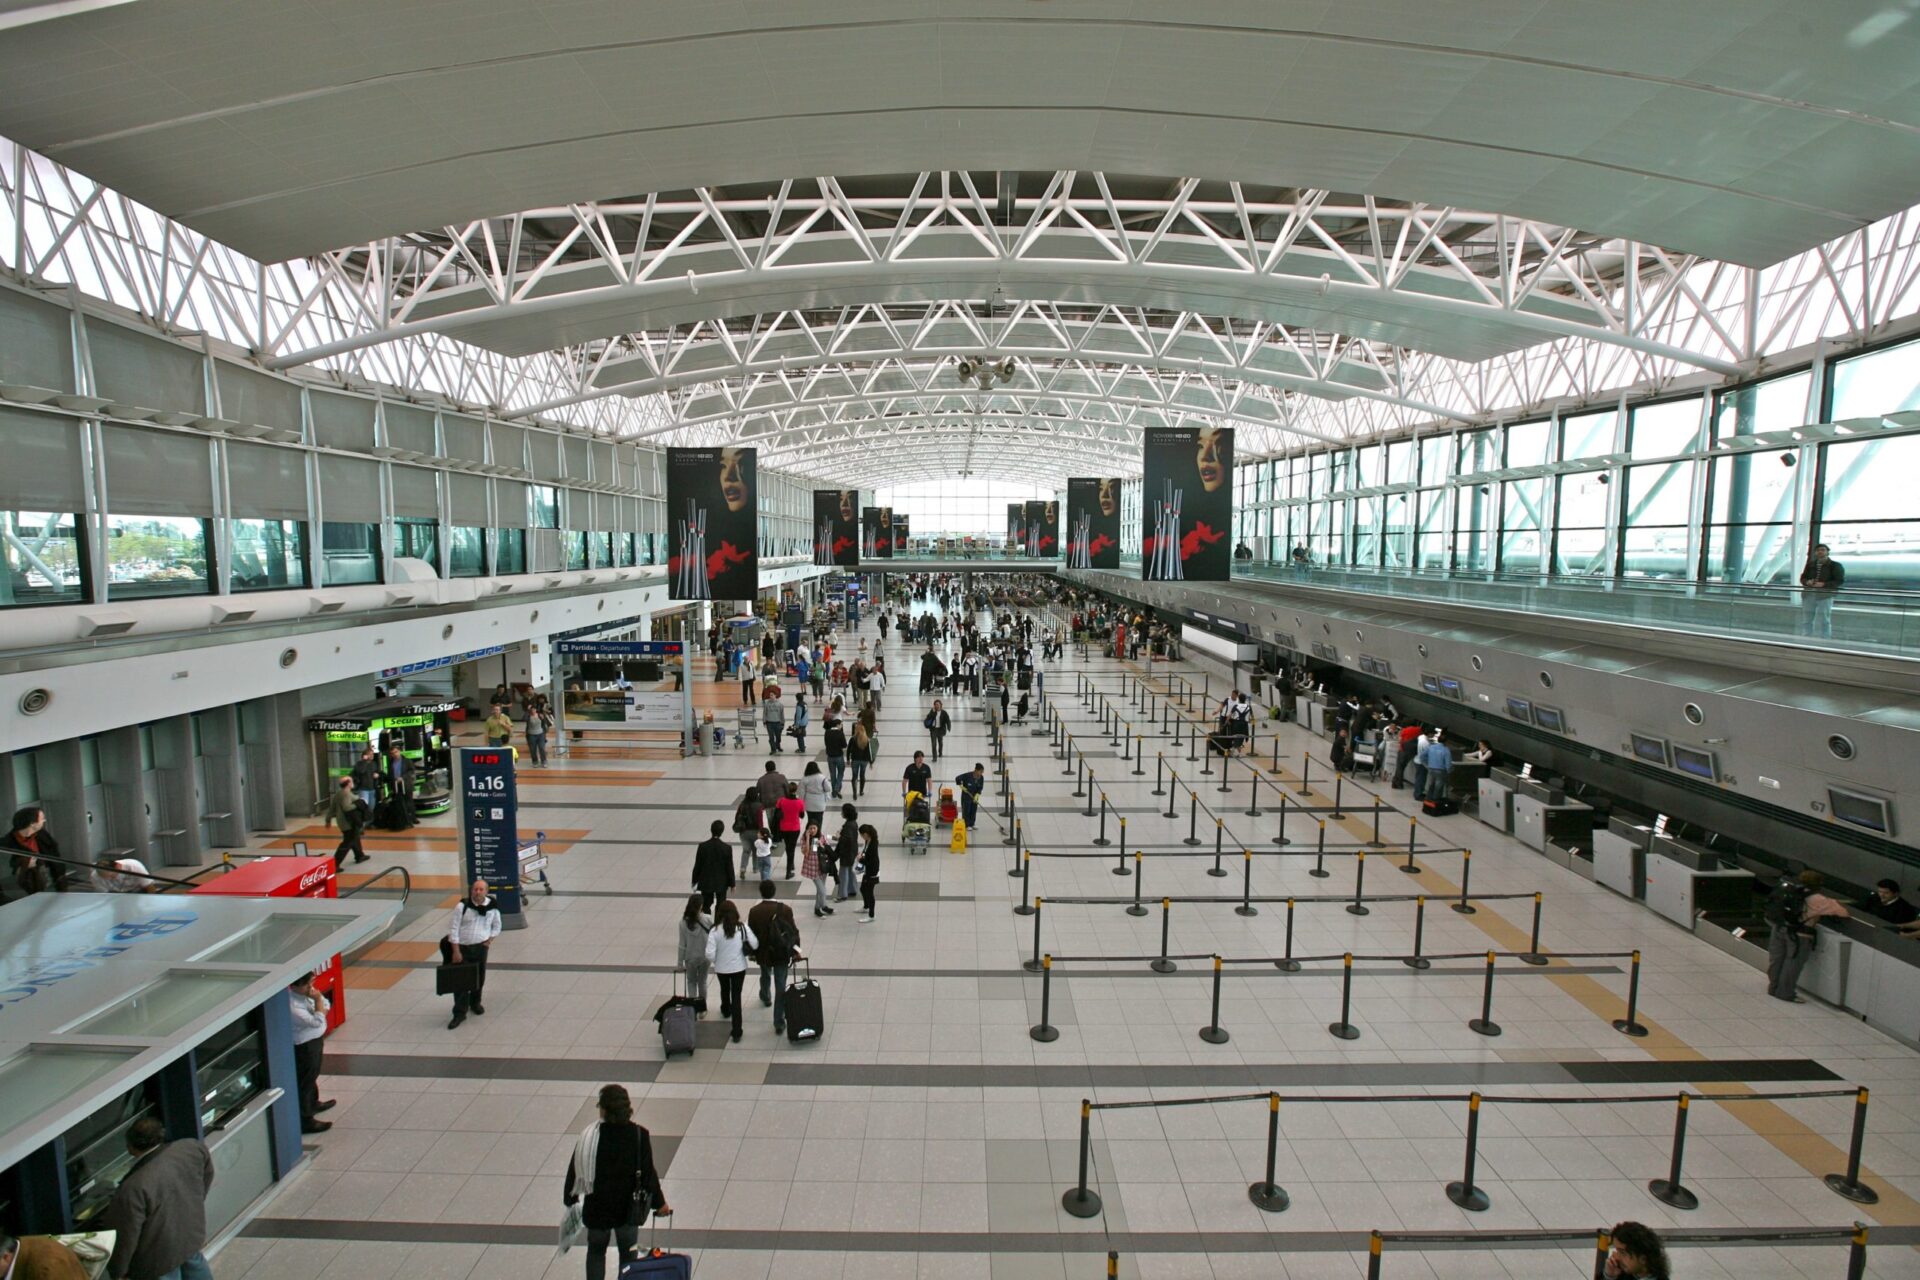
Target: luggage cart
(744, 728)
(533, 864)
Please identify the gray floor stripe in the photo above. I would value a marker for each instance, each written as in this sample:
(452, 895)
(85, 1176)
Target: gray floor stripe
(1188, 969)
(997, 1242)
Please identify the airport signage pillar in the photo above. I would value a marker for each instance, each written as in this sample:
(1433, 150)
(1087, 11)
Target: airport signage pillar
(489, 811)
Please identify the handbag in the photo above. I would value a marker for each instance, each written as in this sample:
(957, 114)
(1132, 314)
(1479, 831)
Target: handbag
(572, 1226)
(451, 979)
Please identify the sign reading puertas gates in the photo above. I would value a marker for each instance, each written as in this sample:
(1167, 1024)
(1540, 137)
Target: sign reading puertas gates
(489, 811)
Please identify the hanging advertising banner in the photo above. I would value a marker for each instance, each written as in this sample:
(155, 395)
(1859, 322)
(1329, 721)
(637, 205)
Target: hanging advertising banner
(900, 524)
(713, 545)
(1093, 522)
(1016, 525)
(876, 533)
(1186, 504)
(1043, 528)
(836, 527)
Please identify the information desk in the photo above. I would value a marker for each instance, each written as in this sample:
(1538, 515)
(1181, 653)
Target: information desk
(115, 1006)
(289, 878)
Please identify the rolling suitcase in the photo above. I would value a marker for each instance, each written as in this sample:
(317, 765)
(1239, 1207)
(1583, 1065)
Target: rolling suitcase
(676, 1019)
(657, 1263)
(1440, 808)
(804, 1011)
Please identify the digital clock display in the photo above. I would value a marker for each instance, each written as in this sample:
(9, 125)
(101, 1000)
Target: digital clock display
(480, 758)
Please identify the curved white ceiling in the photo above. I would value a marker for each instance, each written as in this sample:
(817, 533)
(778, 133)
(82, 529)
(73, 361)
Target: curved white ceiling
(1743, 129)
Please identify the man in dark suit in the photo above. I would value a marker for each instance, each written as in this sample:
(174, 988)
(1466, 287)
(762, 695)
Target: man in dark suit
(713, 867)
(160, 1210)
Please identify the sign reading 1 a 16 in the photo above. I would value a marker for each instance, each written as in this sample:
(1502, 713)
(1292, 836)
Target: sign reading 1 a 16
(490, 823)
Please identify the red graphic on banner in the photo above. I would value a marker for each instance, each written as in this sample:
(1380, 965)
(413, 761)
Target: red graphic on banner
(1100, 543)
(727, 556)
(1201, 535)
(1046, 544)
(841, 544)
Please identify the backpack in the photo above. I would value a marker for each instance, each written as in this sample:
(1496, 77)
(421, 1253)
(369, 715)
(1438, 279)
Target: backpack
(917, 810)
(1786, 906)
(782, 939)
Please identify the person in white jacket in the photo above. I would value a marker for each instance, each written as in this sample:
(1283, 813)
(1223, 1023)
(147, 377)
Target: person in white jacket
(309, 1009)
(728, 946)
(876, 684)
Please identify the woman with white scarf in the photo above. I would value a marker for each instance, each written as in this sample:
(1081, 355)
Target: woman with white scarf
(612, 1168)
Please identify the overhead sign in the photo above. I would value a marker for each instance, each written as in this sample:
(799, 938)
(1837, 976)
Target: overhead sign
(620, 648)
(489, 811)
(434, 664)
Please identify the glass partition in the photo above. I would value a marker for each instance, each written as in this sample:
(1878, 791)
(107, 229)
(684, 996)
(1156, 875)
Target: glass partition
(44, 561)
(1869, 513)
(268, 555)
(156, 556)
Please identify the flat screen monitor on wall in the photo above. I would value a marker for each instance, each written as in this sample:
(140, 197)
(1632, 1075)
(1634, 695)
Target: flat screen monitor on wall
(1520, 709)
(1700, 764)
(1652, 750)
(1549, 718)
(1860, 811)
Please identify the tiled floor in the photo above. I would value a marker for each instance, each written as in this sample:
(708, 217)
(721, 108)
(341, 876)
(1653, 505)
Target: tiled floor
(929, 1135)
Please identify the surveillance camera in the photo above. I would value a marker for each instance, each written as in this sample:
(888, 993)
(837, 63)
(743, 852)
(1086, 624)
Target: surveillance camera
(1788, 460)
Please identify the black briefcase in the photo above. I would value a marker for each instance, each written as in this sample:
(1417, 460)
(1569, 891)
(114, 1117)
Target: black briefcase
(456, 979)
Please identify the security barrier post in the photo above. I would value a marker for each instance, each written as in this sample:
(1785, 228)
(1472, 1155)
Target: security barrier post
(1280, 836)
(1358, 906)
(1276, 753)
(1848, 1184)
(1602, 1246)
(1416, 960)
(1018, 844)
(1287, 964)
(1080, 777)
(1120, 867)
(1463, 1192)
(1464, 907)
(1373, 1255)
(1339, 789)
(1092, 787)
(1193, 817)
(1253, 791)
(1668, 1190)
(1532, 955)
(1081, 1202)
(1045, 1032)
(1101, 839)
(1136, 909)
(1213, 1032)
(1306, 767)
(1026, 880)
(1320, 871)
(1164, 965)
(1033, 965)
(1857, 1253)
(1226, 774)
(1219, 832)
(1159, 767)
(1344, 1028)
(1246, 907)
(1206, 757)
(1630, 1025)
(1066, 755)
(1173, 794)
(1484, 1024)
(1268, 1195)
(1139, 756)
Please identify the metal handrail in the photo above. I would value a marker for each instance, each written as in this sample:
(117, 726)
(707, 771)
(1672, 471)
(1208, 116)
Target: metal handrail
(406, 883)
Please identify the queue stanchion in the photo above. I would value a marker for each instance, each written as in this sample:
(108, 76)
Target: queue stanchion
(1193, 817)
(1280, 836)
(1373, 1255)
(1246, 907)
(1033, 965)
(1532, 954)
(1066, 755)
(1159, 767)
(1286, 963)
(1269, 1195)
(1344, 1029)
(1376, 842)
(1137, 909)
(1162, 964)
(1253, 791)
(1089, 811)
(1114, 736)
(1602, 1246)
(1101, 839)
(1219, 833)
(1358, 906)
(1226, 774)
(1178, 721)
(1213, 1032)
(1339, 789)
(1416, 960)
(1139, 755)
(1848, 1184)
(1044, 1031)
(1080, 777)
(1320, 871)
(1306, 767)
(1026, 881)
(1462, 906)
(1670, 1190)
(1276, 754)
(1413, 835)
(1484, 1024)
(1120, 866)
(1082, 1202)
(1631, 1025)
(1166, 715)
(1463, 1192)
(1018, 844)
(1193, 743)
(1173, 794)
(1013, 828)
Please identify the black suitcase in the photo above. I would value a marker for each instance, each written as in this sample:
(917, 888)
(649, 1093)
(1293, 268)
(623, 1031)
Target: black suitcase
(803, 1010)
(1441, 808)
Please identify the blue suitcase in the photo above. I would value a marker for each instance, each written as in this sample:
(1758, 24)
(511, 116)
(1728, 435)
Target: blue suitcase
(657, 1265)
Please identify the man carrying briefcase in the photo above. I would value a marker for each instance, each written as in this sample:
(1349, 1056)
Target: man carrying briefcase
(463, 952)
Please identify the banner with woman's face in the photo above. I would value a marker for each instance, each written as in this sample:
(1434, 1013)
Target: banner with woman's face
(1186, 504)
(836, 527)
(1016, 525)
(1043, 528)
(1093, 523)
(900, 527)
(713, 524)
(876, 533)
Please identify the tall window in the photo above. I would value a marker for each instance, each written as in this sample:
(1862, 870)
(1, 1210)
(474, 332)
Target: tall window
(156, 556)
(1869, 516)
(44, 563)
(1580, 536)
(960, 506)
(1659, 496)
(268, 555)
(1751, 495)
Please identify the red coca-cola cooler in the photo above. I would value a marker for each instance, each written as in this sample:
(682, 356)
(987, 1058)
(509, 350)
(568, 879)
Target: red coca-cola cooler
(300, 877)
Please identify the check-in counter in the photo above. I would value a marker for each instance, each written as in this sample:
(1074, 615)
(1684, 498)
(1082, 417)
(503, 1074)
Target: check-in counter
(1867, 967)
(1620, 857)
(1496, 804)
(1537, 822)
(1680, 891)
(1318, 716)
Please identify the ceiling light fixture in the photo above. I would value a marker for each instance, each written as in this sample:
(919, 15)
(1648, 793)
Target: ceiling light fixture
(983, 372)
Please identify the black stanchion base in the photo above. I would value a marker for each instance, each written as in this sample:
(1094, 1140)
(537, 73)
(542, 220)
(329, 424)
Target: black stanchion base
(1031, 966)
(1170, 814)
(1254, 813)
(1158, 791)
(1037, 733)
(1081, 1204)
(1214, 1035)
(1376, 844)
(1472, 1199)
(1534, 959)
(1287, 966)
(1410, 870)
(1336, 815)
(1668, 1194)
(1103, 842)
(1192, 840)
(1319, 874)
(1024, 909)
(1044, 1033)
(1343, 1030)
(1079, 791)
(1015, 873)
(1163, 966)
(1483, 1027)
(1245, 910)
(1282, 841)
(1354, 909)
(1137, 910)
(1218, 871)
(1461, 908)
(1858, 1192)
(1008, 841)
(1122, 871)
(1269, 1196)
(1626, 1028)
(1418, 962)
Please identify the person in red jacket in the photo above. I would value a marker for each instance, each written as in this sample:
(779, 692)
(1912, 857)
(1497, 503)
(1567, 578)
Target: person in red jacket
(1409, 737)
